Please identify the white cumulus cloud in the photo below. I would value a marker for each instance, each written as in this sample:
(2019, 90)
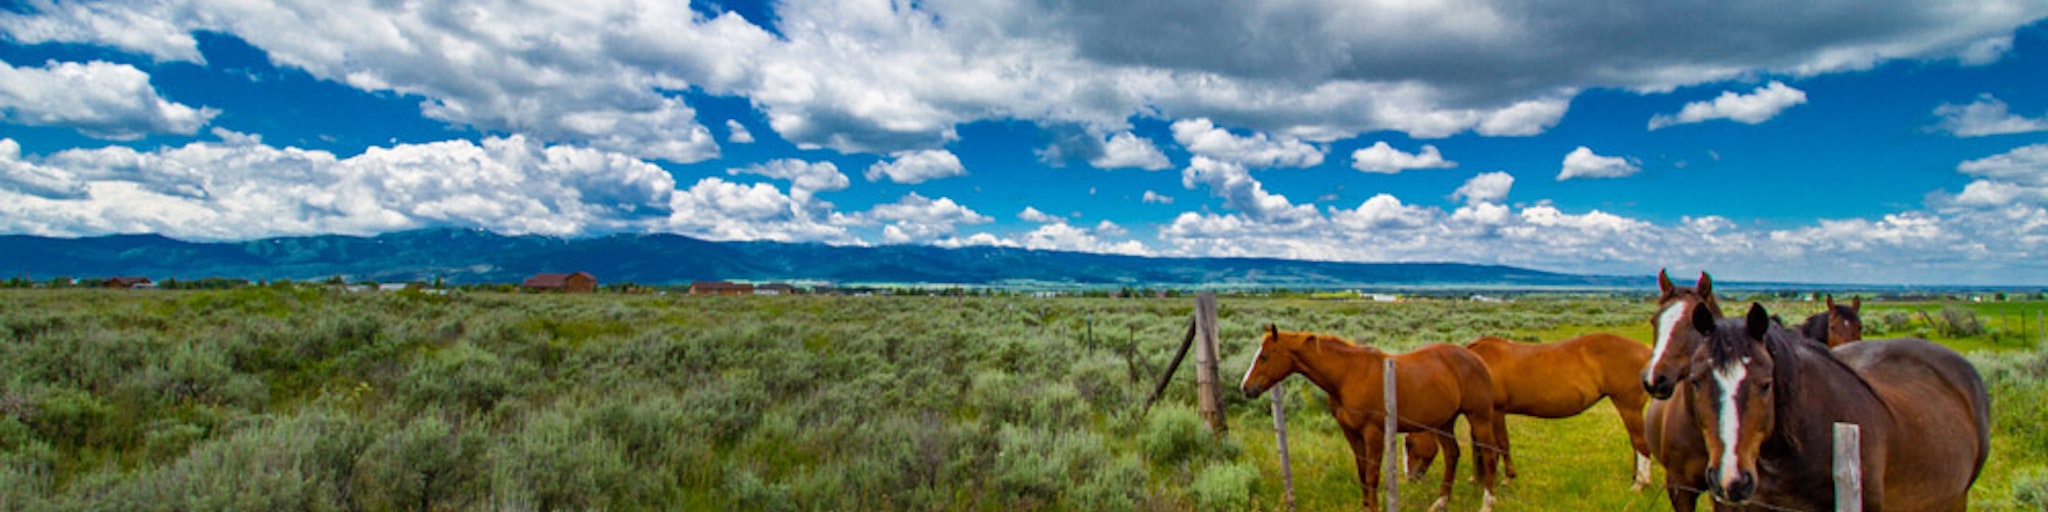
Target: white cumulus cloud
(1152, 197)
(1758, 106)
(737, 133)
(1127, 150)
(1986, 116)
(1383, 158)
(241, 189)
(1489, 187)
(1583, 163)
(1202, 137)
(100, 99)
(917, 167)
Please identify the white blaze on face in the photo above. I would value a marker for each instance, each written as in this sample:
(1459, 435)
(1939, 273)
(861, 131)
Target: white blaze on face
(1667, 322)
(1254, 366)
(1729, 377)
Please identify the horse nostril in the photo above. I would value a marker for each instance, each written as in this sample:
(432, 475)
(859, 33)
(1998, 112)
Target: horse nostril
(1659, 388)
(1745, 484)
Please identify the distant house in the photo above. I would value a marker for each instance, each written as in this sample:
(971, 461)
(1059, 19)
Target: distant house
(128, 282)
(580, 282)
(775, 289)
(720, 288)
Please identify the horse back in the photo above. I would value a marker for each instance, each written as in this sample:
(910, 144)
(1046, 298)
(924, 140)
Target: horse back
(1619, 362)
(1462, 378)
(1941, 413)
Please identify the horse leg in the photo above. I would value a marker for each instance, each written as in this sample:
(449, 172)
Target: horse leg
(1484, 439)
(1366, 455)
(1632, 421)
(1684, 480)
(1446, 439)
(1422, 451)
(1507, 457)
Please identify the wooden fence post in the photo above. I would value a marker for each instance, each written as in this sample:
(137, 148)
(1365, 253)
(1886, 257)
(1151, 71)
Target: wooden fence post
(1165, 378)
(1208, 390)
(1393, 429)
(1848, 467)
(1279, 393)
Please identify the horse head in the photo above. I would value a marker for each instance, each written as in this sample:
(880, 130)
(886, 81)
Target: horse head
(1733, 403)
(1845, 322)
(1275, 360)
(1676, 308)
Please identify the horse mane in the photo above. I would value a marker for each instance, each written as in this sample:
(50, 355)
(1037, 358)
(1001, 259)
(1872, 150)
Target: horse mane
(1788, 349)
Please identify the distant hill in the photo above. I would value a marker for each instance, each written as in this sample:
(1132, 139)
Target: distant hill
(469, 256)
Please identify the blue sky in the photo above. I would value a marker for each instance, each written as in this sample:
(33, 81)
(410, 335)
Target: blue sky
(1897, 144)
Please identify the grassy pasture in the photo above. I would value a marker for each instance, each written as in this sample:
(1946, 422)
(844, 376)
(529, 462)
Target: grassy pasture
(262, 398)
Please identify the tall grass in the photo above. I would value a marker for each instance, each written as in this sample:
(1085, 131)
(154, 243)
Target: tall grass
(302, 398)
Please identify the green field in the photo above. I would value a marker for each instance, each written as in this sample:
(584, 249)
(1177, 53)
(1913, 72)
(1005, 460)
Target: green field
(310, 399)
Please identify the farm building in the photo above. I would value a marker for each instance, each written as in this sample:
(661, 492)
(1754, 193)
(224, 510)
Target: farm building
(127, 282)
(580, 282)
(720, 288)
(775, 289)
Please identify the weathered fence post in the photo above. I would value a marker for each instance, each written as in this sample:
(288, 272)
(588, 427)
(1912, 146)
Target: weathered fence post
(1393, 429)
(1279, 393)
(1165, 378)
(1848, 467)
(1208, 390)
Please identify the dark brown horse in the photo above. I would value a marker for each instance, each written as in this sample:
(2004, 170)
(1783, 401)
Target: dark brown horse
(1837, 324)
(1667, 423)
(1557, 380)
(1766, 401)
(1434, 385)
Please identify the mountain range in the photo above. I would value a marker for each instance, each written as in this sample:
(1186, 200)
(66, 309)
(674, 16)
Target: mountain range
(474, 256)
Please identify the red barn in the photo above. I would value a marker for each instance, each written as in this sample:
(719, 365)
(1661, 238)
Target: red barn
(580, 282)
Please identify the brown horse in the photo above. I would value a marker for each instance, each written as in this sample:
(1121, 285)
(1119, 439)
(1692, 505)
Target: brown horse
(1434, 385)
(1766, 401)
(1837, 324)
(1557, 380)
(1668, 420)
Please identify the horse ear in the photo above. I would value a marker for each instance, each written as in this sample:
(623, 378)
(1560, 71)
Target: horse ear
(1856, 303)
(1705, 286)
(1273, 328)
(1831, 302)
(1664, 285)
(1759, 321)
(1703, 318)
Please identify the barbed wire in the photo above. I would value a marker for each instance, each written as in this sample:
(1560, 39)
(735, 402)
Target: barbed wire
(1476, 446)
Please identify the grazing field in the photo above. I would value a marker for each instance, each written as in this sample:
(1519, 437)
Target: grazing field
(289, 398)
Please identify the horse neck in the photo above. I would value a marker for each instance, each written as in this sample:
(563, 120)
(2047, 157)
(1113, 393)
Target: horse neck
(1330, 363)
(1816, 391)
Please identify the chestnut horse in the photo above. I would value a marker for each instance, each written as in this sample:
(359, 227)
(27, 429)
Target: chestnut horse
(1766, 400)
(1667, 423)
(1433, 386)
(1557, 380)
(1837, 324)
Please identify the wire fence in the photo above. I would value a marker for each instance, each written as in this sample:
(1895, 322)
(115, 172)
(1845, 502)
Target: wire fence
(1498, 451)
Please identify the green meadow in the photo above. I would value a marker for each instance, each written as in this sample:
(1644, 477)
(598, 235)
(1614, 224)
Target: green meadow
(305, 398)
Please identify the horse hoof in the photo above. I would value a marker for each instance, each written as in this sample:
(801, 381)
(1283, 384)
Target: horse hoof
(1486, 504)
(1441, 503)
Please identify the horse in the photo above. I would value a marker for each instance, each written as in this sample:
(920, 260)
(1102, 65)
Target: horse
(1557, 380)
(1434, 385)
(1667, 422)
(1837, 324)
(1766, 401)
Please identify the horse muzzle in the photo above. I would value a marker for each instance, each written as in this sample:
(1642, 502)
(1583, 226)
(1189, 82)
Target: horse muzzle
(1252, 391)
(1735, 492)
(1660, 387)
